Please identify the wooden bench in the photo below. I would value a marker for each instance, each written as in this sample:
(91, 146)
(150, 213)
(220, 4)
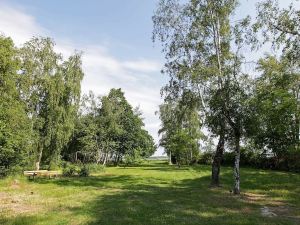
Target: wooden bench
(41, 173)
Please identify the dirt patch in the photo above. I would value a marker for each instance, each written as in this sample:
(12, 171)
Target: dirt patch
(267, 212)
(281, 211)
(4, 197)
(15, 185)
(17, 204)
(271, 207)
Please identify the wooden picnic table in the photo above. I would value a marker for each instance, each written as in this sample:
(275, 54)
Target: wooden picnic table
(41, 173)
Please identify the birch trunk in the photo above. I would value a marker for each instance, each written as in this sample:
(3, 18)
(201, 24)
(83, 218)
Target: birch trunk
(38, 162)
(170, 158)
(236, 170)
(105, 158)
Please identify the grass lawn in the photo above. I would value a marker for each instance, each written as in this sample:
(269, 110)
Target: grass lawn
(152, 194)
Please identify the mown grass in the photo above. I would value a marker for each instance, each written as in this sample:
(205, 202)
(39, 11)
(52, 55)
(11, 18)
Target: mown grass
(151, 194)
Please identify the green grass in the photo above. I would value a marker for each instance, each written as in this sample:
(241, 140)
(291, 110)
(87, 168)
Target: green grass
(151, 194)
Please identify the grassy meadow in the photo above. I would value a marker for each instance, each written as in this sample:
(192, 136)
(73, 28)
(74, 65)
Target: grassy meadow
(152, 194)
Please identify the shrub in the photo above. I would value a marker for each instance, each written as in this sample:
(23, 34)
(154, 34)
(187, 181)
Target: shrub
(69, 169)
(132, 159)
(228, 159)
(206, 158)
(95, 168)
(84, 171)
(3, 171)
(256, 158)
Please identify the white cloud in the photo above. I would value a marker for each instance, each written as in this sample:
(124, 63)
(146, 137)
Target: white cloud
(143, 65)
(18, 25)
(102, 70)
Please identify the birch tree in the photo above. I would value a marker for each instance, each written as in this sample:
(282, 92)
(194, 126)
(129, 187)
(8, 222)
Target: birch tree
(201, 47)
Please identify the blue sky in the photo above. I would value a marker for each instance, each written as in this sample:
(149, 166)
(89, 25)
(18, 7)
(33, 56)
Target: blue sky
(126, 25)
(115, 36)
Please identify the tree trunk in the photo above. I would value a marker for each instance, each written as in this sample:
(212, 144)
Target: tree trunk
(297, 119)
(297, 132)
(117, 159)
(76, 157)
(37, 163)
(99, 156)
(105, 158)
(170, 158)
(215, 171)
(236, 170)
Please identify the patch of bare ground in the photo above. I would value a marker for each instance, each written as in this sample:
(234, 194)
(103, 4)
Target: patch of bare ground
(283, 211)
(271, 207)
(15, 184)
(18, 203)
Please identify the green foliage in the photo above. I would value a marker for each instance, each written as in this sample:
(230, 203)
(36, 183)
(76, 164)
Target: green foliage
(134, 158)
(275, 123)
(84, 171)
(40, 119)
(206, 158)
(69, 169)
(255, 158)
(51, 89)
(203, 51)
(276, 127)
(180, 131)
(3, 171)
(109, 130)
(14, 124)
(95, 168)
(280, 26)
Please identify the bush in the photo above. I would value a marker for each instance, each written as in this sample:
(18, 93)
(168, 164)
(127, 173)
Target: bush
(69, 170)
(3, 171)
(84, 171)
(206, 158)
(289, 161)
(228, 159)
(130, 160)
(251, 157)
(53, 165)
(13, 171)
(95, 168)
(16, 170)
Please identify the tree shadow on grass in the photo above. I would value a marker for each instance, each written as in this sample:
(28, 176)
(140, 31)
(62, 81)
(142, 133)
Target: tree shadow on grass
(187, 202)
(91, 181)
